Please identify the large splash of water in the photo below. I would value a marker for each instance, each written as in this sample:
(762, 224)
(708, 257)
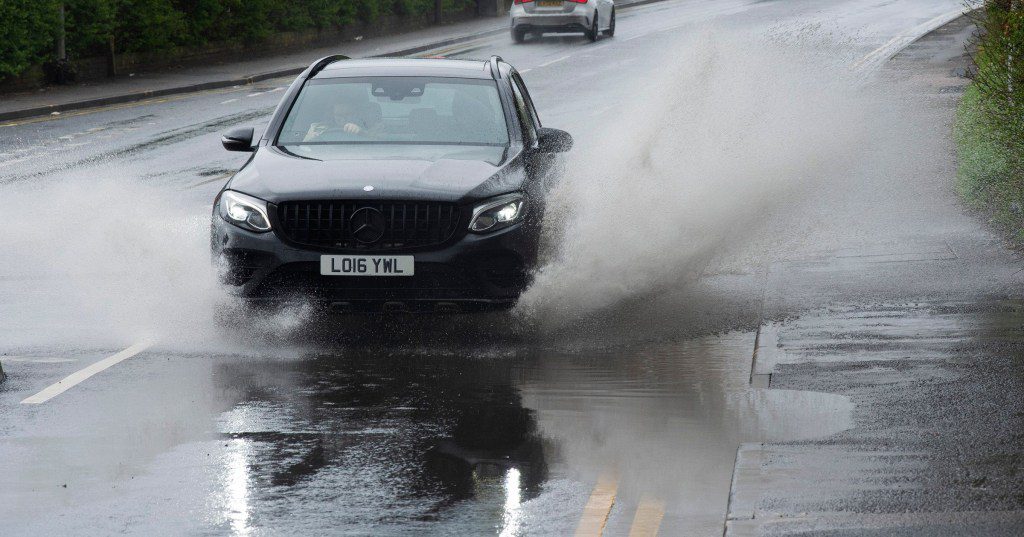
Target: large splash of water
(701, 155)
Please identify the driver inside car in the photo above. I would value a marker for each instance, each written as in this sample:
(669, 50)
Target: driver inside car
(353, 116)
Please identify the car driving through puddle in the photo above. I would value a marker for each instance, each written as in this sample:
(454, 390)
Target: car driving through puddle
(390, 185)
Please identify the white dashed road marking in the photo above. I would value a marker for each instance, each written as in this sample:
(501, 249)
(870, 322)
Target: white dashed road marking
(80, 376)
(554, 61)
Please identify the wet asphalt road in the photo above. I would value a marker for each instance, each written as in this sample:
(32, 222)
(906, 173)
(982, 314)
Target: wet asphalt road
(871, 294)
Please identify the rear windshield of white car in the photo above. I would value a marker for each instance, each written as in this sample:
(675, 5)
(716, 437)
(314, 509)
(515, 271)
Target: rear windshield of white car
(396, 110)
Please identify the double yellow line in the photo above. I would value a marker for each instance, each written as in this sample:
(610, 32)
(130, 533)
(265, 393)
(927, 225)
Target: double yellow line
(646, 521)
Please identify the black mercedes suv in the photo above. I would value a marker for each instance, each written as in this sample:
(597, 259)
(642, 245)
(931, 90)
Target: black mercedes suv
(390, 185)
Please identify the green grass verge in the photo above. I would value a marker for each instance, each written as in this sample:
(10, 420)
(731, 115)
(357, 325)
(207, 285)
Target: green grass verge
(986, 175)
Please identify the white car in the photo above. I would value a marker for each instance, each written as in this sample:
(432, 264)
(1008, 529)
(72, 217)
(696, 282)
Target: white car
(592, 17)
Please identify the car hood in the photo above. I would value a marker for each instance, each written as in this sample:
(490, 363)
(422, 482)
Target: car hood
(406, 172)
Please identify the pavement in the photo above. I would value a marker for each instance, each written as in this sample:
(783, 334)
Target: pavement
(214, 75)
(764, 310)
(935, 377)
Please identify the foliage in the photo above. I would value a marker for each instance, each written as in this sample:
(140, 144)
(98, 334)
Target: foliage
(1000, 73)
(990, 121)
(30, 27)
(88, 26)
(982, 161)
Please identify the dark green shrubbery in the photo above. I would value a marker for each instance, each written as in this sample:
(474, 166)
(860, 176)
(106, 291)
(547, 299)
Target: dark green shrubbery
(29, 27)
(990, 122)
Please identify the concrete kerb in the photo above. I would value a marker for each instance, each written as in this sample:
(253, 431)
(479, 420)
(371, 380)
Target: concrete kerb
(243, 81)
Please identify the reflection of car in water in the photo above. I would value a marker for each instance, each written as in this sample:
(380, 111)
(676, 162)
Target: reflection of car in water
(537, 17)
(394, 185)
(421, 433)
(492, 434)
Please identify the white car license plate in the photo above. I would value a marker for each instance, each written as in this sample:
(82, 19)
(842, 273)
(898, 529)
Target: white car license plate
(367, 265)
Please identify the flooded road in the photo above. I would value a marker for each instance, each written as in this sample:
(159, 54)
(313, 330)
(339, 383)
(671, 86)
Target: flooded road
(756, 266)
(454, 439)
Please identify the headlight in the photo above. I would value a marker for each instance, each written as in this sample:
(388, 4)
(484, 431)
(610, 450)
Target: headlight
(244, 211)
(497, 214)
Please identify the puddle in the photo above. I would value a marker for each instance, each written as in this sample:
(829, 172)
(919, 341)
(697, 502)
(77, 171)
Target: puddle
(392, 442)
(445, 436)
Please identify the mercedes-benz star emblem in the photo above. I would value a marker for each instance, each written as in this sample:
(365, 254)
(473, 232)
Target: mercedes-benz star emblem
(367, 225)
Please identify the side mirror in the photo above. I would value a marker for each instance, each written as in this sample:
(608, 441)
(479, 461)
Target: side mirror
(239, 139)
(553, 140)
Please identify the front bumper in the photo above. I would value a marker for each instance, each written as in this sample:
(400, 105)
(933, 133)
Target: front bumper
(475, 272)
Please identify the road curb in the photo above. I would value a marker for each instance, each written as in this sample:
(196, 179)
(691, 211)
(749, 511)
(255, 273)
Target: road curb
(742, 506)
(243, 81)
(142, 95)
(767, 353)
(879, 57)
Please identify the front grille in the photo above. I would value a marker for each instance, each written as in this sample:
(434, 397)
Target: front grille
(327, 224)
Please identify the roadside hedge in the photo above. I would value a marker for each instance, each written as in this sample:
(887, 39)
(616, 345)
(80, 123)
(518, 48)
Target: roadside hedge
(990, 121)
(30, 27)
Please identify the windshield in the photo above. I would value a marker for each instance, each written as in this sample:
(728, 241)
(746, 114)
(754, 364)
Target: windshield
(396, 110)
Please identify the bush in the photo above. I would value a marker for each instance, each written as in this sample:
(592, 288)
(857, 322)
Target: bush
(148, 25)
(990, 121)
(983, 163)
(29, 27)
(1000, 75)
(88, 26)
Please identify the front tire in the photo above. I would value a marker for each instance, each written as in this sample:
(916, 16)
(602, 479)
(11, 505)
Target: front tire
(592, 33)
(611, 26)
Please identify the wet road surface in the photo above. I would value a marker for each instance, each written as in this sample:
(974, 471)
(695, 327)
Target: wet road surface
(613, 403)
(400, 439)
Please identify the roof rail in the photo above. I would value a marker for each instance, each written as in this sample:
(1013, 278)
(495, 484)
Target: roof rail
(324, 62)
(495, 71)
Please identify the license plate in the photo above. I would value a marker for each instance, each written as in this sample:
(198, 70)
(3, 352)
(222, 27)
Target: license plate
(367, 265)
(549, 3)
